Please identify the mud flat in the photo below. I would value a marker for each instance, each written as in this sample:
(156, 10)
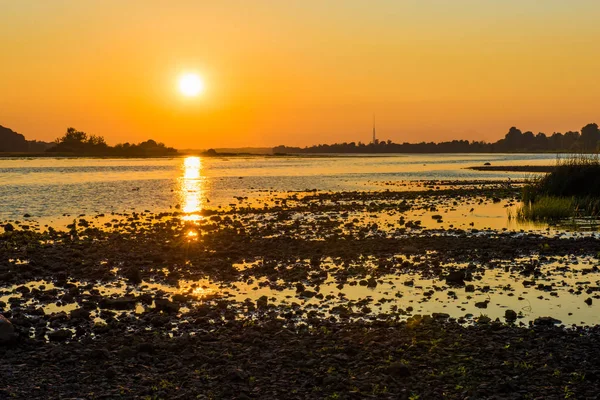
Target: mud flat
(515, 168)
(410, 294)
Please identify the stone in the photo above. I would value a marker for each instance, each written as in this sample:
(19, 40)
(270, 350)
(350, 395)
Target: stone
(262, 302)
(80, 313)
(7, 330)
(481, 304)
(9, 228)
(121, 303)
(398, 369)
(510, 315)
(456, 278)
(546, 321)
(133, 275)
(166, 305)
(60, 335)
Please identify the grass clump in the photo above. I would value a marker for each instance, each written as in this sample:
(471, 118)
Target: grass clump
(571, 189)
(574, 176)
(547, 208)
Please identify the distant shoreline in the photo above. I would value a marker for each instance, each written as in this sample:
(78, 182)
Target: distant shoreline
(515, 168)
(275, 155)
(68, 155)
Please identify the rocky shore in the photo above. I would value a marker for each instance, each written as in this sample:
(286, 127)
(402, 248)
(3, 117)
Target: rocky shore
(423, 358)
(316, 295)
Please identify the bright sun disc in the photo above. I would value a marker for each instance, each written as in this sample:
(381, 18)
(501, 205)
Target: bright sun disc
(191, 85)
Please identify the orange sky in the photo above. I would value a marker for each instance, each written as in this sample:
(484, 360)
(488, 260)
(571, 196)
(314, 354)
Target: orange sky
(298, 72)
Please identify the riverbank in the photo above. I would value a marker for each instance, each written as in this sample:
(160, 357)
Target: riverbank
(310, 295)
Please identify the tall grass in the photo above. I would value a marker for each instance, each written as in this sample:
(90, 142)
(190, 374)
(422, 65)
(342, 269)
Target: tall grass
(571, 189)
(547, 209)
(575, 175)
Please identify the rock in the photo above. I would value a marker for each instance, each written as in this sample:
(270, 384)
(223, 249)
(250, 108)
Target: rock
(145, 348)
(99, 354)
(60, 335)
(588, 301)
(470, 288)
(80, 313)
(440, 315)
(546, 321)
(7, 330)
(121, 303)
(9, 228)
(145, 298)
(456, 278)
(181, 298)
(262, 302)
(510, 315)
(133, 275)
(399, 370)
(307, 293)
(110, 373)
(23, 289)
(166, 305)
(409, 250)
(487, 163)
(481, 304)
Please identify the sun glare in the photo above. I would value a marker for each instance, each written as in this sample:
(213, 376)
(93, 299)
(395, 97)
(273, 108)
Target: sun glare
(191, 85)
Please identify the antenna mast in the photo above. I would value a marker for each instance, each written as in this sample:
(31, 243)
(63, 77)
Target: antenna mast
(374, 137)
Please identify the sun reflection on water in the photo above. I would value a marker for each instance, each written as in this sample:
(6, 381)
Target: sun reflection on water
(191, 190)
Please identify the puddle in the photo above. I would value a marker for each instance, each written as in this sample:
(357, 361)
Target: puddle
(559, 290)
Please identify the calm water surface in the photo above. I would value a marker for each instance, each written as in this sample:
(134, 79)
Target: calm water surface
(48, 188)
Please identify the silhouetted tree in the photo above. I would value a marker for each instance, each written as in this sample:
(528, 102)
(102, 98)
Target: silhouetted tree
(590, 137)
(80, 143)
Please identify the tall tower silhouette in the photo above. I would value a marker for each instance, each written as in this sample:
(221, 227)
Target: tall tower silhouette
(374, 136)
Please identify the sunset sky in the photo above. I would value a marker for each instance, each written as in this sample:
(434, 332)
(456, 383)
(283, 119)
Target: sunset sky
(298, 72)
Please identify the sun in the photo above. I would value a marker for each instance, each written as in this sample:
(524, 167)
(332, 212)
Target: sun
(191, 85)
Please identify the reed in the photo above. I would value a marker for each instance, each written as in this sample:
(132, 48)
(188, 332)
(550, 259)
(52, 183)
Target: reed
(571, 189)
(547, 209)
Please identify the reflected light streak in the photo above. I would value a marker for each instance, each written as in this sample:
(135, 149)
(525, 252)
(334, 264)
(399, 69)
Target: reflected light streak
(191, 191)
(191, 167)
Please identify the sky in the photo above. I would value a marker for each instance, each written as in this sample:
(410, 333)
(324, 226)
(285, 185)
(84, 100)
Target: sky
(298, 72)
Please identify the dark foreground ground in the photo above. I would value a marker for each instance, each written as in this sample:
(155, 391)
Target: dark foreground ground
(421, 359)
(147, 344)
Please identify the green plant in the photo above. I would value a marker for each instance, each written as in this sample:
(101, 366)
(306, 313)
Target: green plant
(571, 189)
(547, 208)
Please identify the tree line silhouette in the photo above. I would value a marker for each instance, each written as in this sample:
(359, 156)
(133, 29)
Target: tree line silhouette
(80, 143)
(515, 141)
(11, 141)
